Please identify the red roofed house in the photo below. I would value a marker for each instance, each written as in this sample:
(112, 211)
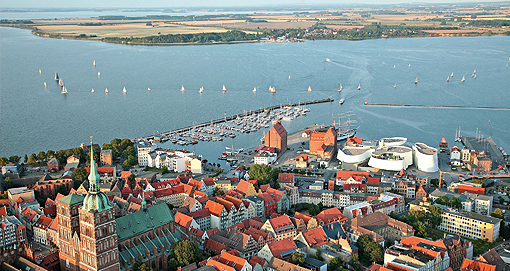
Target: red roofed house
(351, 176)
(197, 236)
(214, 247)
(185, 221)
(106, 174)
(330, 215)
(39, 228)
(280, 227)
(323, 144)
(471, 189)
(270, 205)
(286, 178)
(309, 221)
(421, 192)
(219, 215)
(53, 164)
(261, 237)
(203, 218)
(313, 239)
(469, 265)
(234, 261)
(302, 161)
(276, 137)
(281, 249)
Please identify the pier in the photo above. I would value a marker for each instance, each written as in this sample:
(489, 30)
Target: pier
(441, 106)
(164, 136)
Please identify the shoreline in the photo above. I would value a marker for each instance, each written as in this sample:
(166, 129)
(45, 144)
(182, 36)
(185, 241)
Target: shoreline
(43, 34)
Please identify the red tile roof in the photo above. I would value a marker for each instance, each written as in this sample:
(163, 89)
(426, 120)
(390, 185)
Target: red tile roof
(231, 260)
(209, 181)
(183, 220)
(281, 246)
(212, 232)
(344, 175)
(315, 237)
(331, 215)
(43, 222)
(280, 222)
(196, 232)
(214, 246)
(3, 211)
(469, 265)
(286, 177)
(243, 187)
(219, 266)
(214, 207)
(200, 213)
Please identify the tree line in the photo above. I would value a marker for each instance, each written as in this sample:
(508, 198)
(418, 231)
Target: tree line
(199, 38)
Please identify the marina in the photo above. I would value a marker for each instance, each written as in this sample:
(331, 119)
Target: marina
(230, 126)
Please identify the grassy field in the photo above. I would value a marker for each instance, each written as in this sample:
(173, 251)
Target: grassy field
(129, 29)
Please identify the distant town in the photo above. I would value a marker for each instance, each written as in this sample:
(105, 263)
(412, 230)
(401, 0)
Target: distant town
(317, 199)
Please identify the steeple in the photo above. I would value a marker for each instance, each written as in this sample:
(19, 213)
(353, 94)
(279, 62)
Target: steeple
(93, 176)
(144, 203)
(95, 200)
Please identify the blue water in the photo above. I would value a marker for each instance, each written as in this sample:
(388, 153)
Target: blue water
(33, 118)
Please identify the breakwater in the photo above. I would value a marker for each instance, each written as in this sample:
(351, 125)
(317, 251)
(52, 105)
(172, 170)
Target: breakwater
(166, 135)
(440, 106)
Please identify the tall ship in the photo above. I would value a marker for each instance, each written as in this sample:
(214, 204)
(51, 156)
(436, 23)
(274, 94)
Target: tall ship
(344, 129)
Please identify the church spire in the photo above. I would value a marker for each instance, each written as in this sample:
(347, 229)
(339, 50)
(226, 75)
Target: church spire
(93, 176)
(144, 203)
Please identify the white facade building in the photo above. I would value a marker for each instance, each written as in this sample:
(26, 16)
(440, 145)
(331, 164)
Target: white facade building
(425, 157)
(143, 153)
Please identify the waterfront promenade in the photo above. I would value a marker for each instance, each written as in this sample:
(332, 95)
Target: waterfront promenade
(233, 117)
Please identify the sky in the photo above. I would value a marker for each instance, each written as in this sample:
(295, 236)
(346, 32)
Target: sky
(198, 3)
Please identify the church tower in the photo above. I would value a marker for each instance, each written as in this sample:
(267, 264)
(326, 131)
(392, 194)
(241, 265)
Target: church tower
(98, 233)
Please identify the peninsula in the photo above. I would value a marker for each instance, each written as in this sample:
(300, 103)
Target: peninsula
(353, 23)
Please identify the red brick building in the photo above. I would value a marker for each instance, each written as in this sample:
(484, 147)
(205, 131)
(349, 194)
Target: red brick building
(276, 137)
(323, 144)
(53, 164)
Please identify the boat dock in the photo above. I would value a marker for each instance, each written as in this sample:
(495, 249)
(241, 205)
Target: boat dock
(227, 126)
(440, 106)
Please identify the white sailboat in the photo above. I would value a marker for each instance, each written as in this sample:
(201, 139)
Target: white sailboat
(474, 77)
(395, 86)
(272, 89)
(309, 89)
(409, 65)
(106, 90)
(463, 79)
(94, 63)
(182, 88)
(289, 77)
(98, 74)
(44, 84)
(92, 91)
(56, 76)
(451, 75)
(254, 89)
(39, 71)
(448, 79)
(124, 90)
(201, 90)
(341, 101)
(340, 88)
(328, 60)
(64, 90)
(224, 89)
(394, 66)
(148, 89)
(416, 81)
(359, 86)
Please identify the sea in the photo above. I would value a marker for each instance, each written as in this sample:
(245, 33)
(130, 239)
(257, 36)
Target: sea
(36, 118)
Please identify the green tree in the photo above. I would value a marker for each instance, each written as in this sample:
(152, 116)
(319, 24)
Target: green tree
(115, 142)
(369, 250)
(434, 216)
(141, 267)
(132, 178)
(126, 165)
(298, 258)
(276, 185)
(164, 170)
(14, 159)
(261, 173)
(132, 160)
(443, 200)
(50, 154)
(473, 16)
(79, 175)
(80, 153)
(455, 203)
(32, 159)
(498, 213)
(8, 183)
(25, 159)
(318, 254)
(335, 264)
(41, 156)
(185, 252)
(273, 174)
(124, 143)
(4, 161)
(218, 192)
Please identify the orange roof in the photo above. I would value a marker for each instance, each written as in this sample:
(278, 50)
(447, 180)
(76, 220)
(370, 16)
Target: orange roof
(237, 202)
(378, 267)
(3, 211)
(302, 157)
(281, 246)
(54, 225)
(196, 184)
(200, 213)
(280, 222)
(256, 259)
(4, 201)
(344, 175)
(209, 181)
(125, 174)
(472, 189)
(468, 265)
(196, 232)
(214, 246)
(219, 266)
(43, 222)
(231, 260)
(183, 220)
(304, 217)
(315, 237)
(331, 215)
(243, 186)
(213, 231)
(414, 240)
(214, 207)
(228, 205)
(286, 177)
